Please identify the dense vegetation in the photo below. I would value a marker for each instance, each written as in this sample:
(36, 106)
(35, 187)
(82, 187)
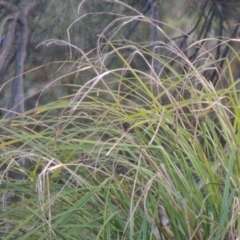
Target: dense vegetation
(131, 122)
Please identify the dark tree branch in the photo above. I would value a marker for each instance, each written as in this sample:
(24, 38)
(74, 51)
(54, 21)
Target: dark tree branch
(146, 8)
(17, 94)
(185, 37)
(214, 79)
(11, 57)
(16, 102)
(206, 28)
(131, 30)
(9, 38)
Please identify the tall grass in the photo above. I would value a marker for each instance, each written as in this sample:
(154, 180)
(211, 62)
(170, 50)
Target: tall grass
(140, 157)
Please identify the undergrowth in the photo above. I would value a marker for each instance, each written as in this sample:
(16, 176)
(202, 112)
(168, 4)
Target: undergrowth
(140, 157)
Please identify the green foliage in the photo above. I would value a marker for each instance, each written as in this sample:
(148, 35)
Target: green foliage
(167, 176)
(126, 154)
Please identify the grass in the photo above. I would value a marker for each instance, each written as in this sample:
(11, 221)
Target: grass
(140, 158)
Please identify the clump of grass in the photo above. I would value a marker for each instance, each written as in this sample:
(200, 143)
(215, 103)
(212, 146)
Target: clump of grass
(140, 158)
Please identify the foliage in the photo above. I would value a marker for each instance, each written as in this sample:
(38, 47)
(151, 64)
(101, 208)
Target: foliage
(130, 153)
